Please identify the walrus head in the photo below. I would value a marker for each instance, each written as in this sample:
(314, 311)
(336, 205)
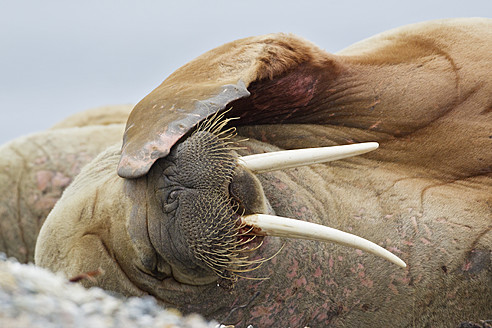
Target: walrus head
(206, 194)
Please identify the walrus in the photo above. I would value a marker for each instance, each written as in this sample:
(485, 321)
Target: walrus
(180, 213)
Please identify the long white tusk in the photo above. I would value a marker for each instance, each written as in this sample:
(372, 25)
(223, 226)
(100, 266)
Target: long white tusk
(287, 159)
(269, 225)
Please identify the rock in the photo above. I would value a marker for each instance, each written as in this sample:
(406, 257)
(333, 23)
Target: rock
(34, 297)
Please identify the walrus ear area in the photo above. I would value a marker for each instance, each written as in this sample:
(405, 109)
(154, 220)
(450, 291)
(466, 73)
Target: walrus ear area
(269, 79)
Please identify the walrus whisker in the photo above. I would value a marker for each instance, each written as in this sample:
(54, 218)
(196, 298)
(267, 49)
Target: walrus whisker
(248, 250)
(247, 241)
(205, 124)
(251, 278)
(245, 233)
(261, 261)
(215, 263)
(234, 271)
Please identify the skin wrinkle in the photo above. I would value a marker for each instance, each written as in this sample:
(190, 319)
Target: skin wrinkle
(456, 224)
(169, 236)
(480, 235)
(19, 217)
(173, 246)
(313, 171)
(452, 108)
(335, 203)
(458, 88)
(4, 241)
(167, 226)
(487, 110)
(318, 204)
(428, 188)
(338, 96)
(94, 202)
(193, 186)
(158, 281)
(147, 225)
(439, 50)
(450, 182)
(42, 148)
(18, 196)
(391, 187)
(420, 127)
(110, 255)
(443, 176)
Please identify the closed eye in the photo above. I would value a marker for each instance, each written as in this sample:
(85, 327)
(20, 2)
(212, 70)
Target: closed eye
(172, 196)
(172, 201)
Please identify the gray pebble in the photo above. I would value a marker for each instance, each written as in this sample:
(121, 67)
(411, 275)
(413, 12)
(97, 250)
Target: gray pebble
(34, 297)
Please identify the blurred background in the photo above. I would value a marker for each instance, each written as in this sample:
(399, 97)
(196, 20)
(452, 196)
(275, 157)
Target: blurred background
(61, 57)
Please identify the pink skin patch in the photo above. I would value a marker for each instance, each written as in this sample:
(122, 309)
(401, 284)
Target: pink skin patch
(467, 265)
(59, 180)
(47, 179)
(331, 282)
(330, 264)
(367, 283)
(293, 269)
(425, 241)
(300, 282)
(43, 179)
(45, 203)
(393, 249)
(393, 288)
(279, 185)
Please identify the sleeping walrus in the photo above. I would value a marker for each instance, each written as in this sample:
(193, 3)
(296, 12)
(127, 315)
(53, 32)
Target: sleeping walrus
(183, 212)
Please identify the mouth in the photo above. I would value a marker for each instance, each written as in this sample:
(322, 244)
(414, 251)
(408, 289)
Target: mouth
(241, 254)
(248, 237)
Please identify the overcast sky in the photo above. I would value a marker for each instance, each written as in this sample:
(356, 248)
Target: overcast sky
(60, 57)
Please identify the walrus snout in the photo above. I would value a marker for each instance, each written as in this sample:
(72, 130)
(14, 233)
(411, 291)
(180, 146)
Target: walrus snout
(202, 193)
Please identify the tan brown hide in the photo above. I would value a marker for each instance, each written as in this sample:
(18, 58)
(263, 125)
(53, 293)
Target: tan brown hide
(423, 91)
(35, 169)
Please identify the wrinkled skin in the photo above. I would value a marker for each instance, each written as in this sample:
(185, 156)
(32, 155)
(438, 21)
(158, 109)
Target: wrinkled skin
(34, 171)
(423, 92)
